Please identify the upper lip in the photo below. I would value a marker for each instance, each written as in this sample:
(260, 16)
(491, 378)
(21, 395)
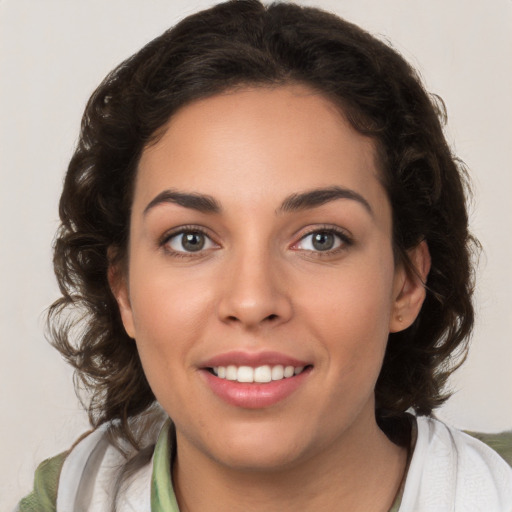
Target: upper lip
(239, 358)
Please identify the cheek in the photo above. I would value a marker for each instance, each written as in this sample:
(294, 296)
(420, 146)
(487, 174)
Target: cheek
(355, 296)
(164, 300)
(350, 314)
(169, 316)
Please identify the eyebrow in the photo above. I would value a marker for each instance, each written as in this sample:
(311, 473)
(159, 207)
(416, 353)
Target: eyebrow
(199, 202)
(295, 202)
(320, 196)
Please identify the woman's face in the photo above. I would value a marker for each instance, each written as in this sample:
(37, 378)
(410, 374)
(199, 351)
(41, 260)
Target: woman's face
(260, 250)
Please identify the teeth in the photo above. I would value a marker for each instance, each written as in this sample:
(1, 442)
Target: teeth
(245, 374)
(261, 374)
(231, 372)
(289, 371)
(277, 372)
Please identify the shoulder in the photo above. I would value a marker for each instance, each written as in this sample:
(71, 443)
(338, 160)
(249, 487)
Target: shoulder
(501, 443)
(83, 478)
(43, 498)
(451, 470)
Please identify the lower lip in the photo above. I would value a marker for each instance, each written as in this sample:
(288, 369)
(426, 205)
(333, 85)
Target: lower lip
(254, 395)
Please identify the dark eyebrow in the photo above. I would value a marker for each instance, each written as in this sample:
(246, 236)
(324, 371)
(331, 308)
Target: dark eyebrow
(202, 203)
(320, 196)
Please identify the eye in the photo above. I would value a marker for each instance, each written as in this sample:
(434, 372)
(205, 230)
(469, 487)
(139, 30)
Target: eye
(189, 241)
(323, 240)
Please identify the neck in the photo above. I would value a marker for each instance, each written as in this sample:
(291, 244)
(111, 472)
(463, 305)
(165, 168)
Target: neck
(361, 471)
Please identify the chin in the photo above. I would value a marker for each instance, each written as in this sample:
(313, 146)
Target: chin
(261, 449)
(257, 458)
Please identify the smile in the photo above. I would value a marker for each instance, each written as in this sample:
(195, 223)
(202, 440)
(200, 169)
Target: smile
(254, 380)
(260, 374)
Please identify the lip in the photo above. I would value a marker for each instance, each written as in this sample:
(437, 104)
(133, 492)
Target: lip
(254, 395)
(254, 360)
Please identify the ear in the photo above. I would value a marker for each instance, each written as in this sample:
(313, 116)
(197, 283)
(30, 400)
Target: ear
(118, 281)
(409, 290)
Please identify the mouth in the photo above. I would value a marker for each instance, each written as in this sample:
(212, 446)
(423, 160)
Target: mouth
(260, 374)
(255, 381)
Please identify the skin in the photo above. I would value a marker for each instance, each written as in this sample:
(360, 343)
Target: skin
(259, 284)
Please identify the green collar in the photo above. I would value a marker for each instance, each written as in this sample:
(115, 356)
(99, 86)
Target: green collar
(162, 492)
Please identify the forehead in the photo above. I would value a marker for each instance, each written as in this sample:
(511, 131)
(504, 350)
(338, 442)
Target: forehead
(257, 144)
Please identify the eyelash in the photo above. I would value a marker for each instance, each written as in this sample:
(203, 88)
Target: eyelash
(345, 241)
(183, 230)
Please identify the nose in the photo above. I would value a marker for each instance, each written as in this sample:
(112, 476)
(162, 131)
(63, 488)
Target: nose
(254, 291)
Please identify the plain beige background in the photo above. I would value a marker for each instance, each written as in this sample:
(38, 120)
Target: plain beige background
(52, 55)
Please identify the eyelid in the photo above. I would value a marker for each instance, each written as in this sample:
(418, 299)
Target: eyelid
(164, 240)
(343, 235)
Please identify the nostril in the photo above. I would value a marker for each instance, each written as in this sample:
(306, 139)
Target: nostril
(269, 318)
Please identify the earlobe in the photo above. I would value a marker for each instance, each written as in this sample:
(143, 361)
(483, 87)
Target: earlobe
(410, 288)
(118, 284)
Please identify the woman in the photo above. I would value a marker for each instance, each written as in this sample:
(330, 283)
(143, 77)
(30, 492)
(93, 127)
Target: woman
(266, 233)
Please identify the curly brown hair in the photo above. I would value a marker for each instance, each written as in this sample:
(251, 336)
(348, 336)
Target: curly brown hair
(240, 43)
